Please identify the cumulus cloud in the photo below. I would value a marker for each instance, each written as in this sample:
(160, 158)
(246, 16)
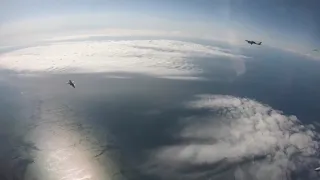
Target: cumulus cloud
(239, 137)
(157, 57)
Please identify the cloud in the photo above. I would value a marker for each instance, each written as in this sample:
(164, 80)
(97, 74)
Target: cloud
(153, 57)
(52, 27)
(115, 32)
(242, 137)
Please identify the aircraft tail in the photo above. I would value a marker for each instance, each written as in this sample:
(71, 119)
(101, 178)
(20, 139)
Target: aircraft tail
(259, 43)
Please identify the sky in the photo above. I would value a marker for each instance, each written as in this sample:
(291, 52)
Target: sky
(291, 24)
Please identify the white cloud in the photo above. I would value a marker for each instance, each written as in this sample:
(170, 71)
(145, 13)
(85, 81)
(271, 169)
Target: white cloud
(114, 32)
(32, 30)
(157, 57)
(234, 131)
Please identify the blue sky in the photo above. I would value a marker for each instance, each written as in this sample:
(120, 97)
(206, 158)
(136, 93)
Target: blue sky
(283, 22)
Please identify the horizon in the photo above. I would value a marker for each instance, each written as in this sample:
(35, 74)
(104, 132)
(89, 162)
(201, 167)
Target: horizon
(285, 24)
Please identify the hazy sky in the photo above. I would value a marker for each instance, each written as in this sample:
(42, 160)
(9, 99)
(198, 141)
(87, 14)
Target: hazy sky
(291, 23)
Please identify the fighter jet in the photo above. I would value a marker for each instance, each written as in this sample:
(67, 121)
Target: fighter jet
(253, 42)
(71, 83)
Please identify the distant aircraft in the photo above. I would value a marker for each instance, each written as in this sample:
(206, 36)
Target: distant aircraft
(253, 42)
(317, 50)
(71, 83)
(317, 169)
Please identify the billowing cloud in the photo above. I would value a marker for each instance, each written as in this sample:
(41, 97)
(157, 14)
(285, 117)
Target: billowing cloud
(238, 138)
(155, 57)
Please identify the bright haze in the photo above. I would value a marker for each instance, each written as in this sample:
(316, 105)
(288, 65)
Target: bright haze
(163, 90)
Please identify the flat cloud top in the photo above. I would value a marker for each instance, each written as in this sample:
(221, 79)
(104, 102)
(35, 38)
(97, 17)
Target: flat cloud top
(154, 57)
(243, 135)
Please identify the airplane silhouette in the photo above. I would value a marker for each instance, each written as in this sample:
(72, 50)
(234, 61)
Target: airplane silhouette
(71, 83)
(253, 42)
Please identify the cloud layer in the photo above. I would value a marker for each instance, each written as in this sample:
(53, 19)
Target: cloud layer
(240, 139)
(154, 57)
